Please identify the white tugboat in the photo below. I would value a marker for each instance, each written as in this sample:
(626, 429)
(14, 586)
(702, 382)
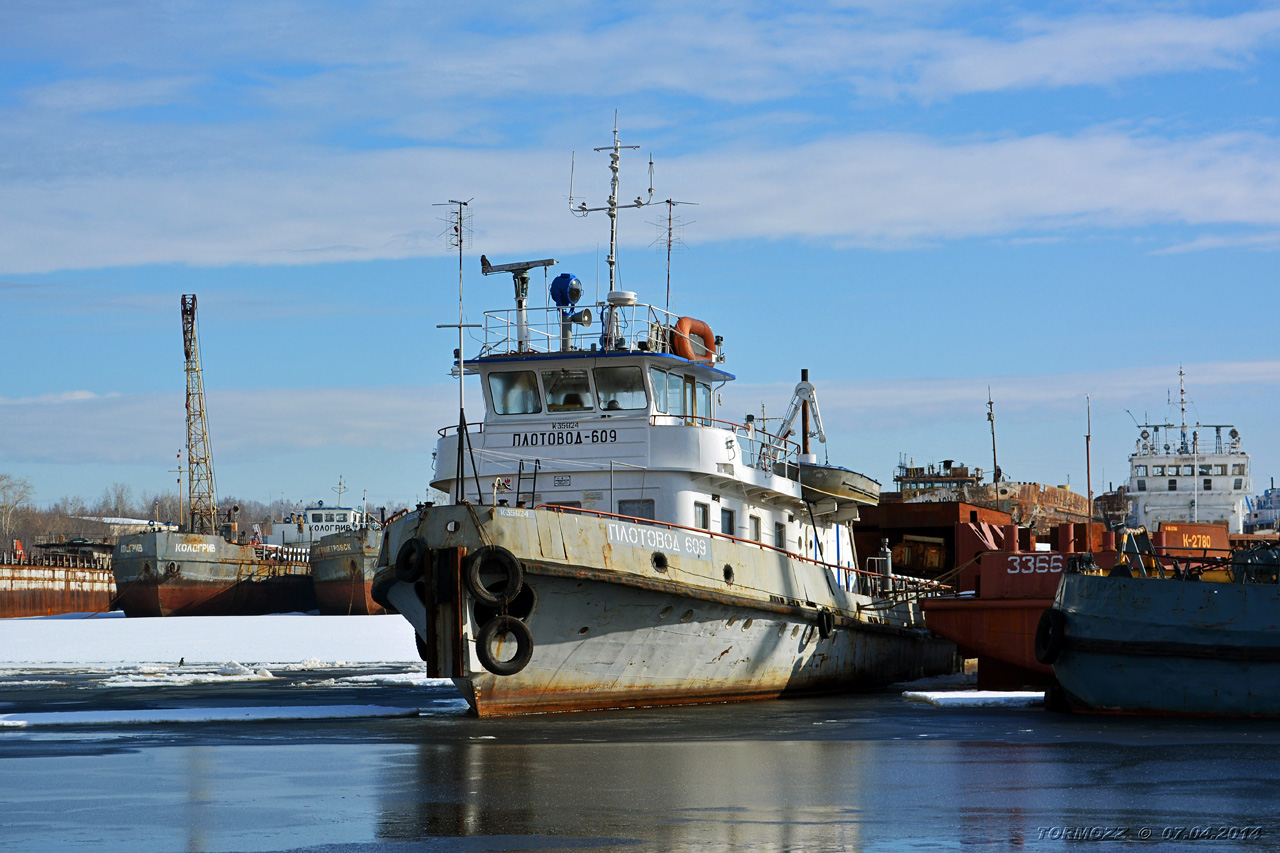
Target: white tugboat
(613, 543)
(1184, 477)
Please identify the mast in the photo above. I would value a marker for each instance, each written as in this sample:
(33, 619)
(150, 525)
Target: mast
(1182, 402)
(991, 416)
(202, 501)
(615, 156)
(1088, 464)
(459, 235)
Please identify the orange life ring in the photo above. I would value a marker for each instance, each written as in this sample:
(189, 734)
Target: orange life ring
(681, 346)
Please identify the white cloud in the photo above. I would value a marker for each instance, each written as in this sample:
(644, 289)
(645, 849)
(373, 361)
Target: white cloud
(866, 189)
(886, 404)
(245, 425)
(1087, 50)
(1268, 241)
(248, 425)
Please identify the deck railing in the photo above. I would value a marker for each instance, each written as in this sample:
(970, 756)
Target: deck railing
(611, 328)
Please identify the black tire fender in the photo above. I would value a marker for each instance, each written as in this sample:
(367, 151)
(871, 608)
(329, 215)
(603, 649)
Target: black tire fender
(493, 558)
(490, 631)
(826, 624)
(1050, 635)
(411, 560)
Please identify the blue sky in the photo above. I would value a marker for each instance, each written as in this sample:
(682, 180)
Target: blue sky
(914, 200)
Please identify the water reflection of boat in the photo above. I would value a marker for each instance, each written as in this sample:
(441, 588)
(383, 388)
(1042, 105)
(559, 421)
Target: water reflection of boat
(603, 578)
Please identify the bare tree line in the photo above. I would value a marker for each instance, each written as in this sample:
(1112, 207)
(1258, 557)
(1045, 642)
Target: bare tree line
(74, 517)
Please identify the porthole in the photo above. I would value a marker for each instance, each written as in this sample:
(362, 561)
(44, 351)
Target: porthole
(659, 561)
(664, 612)
(747, 624)
(584, 629)
(686, 616)
(728, 573)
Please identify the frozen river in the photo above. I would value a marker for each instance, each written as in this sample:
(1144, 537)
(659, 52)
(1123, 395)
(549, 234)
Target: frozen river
(363, 754)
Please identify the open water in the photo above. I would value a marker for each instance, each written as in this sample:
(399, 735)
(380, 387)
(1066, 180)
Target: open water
(856, 772)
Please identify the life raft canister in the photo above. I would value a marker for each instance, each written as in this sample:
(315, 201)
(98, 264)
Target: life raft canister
(683, 347)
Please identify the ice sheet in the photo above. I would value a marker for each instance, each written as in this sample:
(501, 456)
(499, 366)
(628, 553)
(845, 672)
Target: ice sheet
(977, 698)
(310, 641)
(157, 716)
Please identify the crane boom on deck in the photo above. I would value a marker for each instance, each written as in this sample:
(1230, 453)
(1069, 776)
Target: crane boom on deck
(203, 506)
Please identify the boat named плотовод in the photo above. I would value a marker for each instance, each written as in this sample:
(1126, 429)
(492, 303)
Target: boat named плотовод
(613, 542)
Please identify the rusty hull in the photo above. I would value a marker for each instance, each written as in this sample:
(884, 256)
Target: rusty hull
(343, 565)
(53, 584)
(164, 573)
(613, 626)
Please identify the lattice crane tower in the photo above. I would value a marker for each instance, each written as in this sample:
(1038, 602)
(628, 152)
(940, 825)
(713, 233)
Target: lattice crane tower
(203, 503)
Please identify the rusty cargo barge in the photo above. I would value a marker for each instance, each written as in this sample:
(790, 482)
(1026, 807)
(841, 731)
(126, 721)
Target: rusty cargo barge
(169, 573)
(52, 583)
(612, 542)
(342, 566)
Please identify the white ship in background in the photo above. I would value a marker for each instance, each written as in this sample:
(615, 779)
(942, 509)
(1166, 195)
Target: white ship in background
(613, 542)
(1180, 473)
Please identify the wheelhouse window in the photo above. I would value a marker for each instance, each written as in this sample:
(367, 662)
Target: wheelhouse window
(514, 392)
(1188, 471)
(342, 516)
(568, 390)
(703, 410)
(1157, 470)
(1206, 470)
(659, 380)
(1140, 470)
(317, 517)
(675, 394)
(620, 388)
(1237, 470)
(1219, 470)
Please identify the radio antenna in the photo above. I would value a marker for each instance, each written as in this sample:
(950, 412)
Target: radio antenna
(458, 235)
(669, 234)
